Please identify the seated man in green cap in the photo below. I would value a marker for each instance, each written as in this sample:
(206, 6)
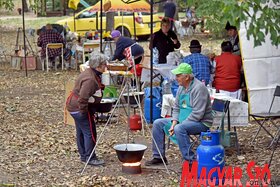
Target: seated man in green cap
(191, 115)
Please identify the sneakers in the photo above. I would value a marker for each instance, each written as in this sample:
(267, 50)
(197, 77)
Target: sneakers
(94, 162)
(156, 161)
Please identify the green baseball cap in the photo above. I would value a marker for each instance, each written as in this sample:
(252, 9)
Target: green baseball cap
(183, 68)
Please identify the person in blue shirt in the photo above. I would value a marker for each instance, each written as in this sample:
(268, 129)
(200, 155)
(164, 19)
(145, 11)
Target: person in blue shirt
(200, 63)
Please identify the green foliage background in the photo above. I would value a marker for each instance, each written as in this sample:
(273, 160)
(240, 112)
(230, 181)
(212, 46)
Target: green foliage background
(261, 17)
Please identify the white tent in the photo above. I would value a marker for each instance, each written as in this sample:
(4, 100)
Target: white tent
(262, 72)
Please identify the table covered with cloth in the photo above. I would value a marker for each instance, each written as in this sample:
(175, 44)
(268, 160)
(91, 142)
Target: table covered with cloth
(238, 109)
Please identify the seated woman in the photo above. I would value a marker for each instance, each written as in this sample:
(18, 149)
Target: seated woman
(227, 72)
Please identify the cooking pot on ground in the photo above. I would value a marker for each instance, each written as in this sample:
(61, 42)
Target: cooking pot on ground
(130, 153)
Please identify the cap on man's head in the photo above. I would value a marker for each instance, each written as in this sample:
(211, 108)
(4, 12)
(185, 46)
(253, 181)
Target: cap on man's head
(115, 34)
(183, 68)
(195, 44)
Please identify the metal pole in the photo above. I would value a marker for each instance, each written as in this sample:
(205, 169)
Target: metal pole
(24, 44)
(151, 62)
(134, 25)
(74, 21)
(101, 9)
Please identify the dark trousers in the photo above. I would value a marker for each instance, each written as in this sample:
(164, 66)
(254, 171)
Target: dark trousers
(84, 134)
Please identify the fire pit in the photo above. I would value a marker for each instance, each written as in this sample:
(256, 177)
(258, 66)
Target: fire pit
(130, 155)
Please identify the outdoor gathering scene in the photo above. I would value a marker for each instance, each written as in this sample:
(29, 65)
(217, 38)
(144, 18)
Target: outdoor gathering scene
(140, 93)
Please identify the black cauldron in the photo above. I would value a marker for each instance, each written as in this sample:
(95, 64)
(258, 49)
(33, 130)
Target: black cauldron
(130, 153)
(104, 106)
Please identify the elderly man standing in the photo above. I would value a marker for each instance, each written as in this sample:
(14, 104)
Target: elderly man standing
(200, 63)
(50, 36)
(192, 114)
(87, 90)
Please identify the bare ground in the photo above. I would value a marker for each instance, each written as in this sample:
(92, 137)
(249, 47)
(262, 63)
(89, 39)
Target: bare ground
(37, 149)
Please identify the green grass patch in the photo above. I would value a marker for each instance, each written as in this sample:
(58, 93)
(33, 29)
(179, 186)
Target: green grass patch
(34, 23)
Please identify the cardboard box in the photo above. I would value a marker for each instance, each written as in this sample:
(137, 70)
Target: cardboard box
(15, 62)
(31, 63)
(69, 85)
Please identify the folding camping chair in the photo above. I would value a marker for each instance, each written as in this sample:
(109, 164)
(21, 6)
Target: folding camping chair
(53, 46)
(88, 48)
(268, 117)
(228, 138)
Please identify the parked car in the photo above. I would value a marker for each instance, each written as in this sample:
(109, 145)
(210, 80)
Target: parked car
(86, 20)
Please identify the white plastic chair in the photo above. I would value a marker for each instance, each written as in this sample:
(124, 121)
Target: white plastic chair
(53, 46)
(89, 47)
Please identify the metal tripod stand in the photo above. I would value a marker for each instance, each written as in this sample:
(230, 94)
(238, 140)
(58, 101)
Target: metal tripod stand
(18, 47)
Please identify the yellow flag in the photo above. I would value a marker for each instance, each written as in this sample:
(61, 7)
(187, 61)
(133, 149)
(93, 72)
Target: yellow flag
(73, 4)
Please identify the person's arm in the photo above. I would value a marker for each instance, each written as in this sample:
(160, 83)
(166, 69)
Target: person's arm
(175, 40)
(153, 42)
(60, 39)
(87, 89)
(175, 112)
(119, 50)
(199, 101)
(39, 41)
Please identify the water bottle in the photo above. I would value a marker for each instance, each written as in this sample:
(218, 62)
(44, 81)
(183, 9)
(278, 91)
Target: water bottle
(166, 86)
(107, 51)
(155, 56)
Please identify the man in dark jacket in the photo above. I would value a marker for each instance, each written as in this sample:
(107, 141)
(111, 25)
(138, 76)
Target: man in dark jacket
(165, 40)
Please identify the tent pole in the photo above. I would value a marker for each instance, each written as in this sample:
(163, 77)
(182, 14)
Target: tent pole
(74, 21)
(151, 62)
(101, 15)
(96, 20)
(24, 42)
(134, 25)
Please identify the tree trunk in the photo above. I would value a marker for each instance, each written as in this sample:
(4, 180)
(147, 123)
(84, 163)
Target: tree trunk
(110, 22)
(25, 5)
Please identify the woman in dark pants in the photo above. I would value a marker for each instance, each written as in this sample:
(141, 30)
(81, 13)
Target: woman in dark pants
(87, 89)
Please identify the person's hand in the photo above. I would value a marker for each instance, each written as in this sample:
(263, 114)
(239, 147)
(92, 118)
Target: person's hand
(175, 41)
(171, 130)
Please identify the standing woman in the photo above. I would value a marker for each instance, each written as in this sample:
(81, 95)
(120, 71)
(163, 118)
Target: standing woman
(87, 89)
(165, 40)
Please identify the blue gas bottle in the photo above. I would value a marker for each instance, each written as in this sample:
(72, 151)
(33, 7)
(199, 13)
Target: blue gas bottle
(210, 154)
(157, 100)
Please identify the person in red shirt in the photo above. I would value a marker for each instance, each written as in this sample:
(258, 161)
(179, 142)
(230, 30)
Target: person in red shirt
(227, 71)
